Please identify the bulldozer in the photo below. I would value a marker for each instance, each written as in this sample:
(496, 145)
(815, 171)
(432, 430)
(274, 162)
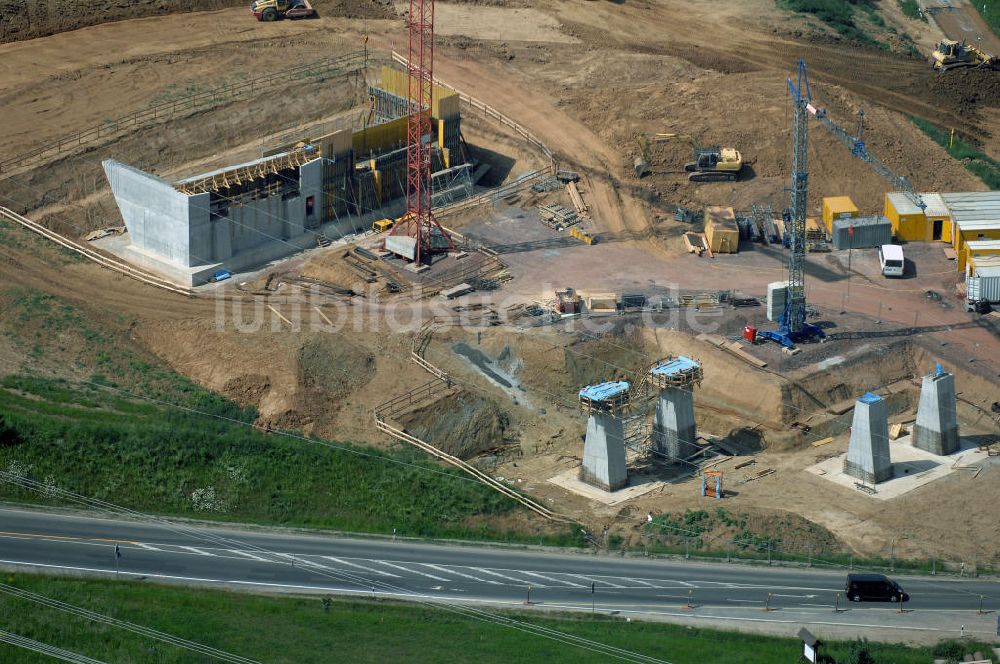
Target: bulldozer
(273, 10)
(711, 164)
(951, 54)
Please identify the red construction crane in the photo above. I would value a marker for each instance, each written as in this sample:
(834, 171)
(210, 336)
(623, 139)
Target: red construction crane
(419, 222)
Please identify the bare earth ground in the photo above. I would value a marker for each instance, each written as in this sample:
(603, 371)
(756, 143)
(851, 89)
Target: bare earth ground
(584, 77)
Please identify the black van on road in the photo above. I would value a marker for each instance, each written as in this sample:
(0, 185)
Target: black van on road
(874, 587)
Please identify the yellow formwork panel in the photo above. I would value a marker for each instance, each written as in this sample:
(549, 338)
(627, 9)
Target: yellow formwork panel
(445, 102)
(339, 142)
(377, 180)
(380, 137)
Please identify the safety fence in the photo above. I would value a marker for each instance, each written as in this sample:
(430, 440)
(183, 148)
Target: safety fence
(335, 66)
(99, 258)
(427, 393)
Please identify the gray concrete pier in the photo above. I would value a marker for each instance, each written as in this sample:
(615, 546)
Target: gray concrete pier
(604, 453)
(868, 452)
(936, 430)
(673, 424)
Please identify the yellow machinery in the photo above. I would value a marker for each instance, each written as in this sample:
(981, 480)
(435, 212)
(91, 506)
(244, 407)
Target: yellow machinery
(951, 54)
(382, 225)
(709, 165)
(272, 10)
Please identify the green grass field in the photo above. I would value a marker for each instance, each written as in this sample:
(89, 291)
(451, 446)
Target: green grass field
(841, 15)
(96, 438)
(911, 9)
(985, 167)
(990, 9)
(300, 630)
(161, 460)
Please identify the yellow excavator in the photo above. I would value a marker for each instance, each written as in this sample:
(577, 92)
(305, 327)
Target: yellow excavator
(710, 164)
(951, 54)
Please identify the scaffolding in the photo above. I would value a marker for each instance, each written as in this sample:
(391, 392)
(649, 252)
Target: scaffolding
(612, 397)
(247, 177)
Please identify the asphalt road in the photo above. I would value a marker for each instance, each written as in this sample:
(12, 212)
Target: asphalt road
(668, 589)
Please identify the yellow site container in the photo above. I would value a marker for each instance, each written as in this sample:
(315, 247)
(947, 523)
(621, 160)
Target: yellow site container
(938, 218)
(721, 231)
(977, 249)
(968, 233)
(838, 207)
(909, 223)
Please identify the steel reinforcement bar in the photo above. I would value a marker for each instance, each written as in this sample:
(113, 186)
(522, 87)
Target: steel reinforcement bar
(335, 66)
(100, 259)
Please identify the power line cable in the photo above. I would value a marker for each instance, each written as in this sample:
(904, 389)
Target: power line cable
(46, 649)
(363, 582)
(80, 612)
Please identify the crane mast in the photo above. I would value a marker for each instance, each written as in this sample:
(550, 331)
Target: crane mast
(792, 325)
(420, 223)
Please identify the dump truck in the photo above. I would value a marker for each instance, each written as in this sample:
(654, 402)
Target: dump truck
(951, 54)
(382, 225)
(273, 10)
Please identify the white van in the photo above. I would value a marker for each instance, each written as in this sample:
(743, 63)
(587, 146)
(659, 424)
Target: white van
(890, 257)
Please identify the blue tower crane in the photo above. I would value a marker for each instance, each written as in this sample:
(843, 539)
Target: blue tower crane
(792, 325)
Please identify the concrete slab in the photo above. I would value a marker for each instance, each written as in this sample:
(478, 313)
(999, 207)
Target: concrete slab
(638, 485)
(912, 467)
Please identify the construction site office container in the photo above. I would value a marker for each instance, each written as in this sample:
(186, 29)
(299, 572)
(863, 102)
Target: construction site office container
(938, 218)
(978, 252)
(984, 285)
(721, 230)
(868, 232)
(975, 216)
(838, 207)
(909, 223)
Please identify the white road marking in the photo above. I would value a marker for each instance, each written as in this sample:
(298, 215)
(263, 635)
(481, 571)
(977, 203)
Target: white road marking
(367, 569)
(520, 582)
(795, 596)
(595, 579)
(412, 595)
(248, 555)
(448, 570)
(549, 578)
(302, 561)
(746, 601)
(149, 547)
(414, 571)
(822, 606)
(199, 551)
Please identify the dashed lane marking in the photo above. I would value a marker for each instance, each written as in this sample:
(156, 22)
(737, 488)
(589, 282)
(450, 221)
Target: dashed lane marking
(448, 570)
(549, 578)
(248, 555)
(413, 571)
(367, 569)
(520, 582)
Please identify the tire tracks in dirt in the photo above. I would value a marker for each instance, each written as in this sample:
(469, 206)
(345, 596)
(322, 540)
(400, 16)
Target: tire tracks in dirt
(572, 141)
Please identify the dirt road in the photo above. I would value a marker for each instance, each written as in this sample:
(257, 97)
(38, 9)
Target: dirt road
(960, 21)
